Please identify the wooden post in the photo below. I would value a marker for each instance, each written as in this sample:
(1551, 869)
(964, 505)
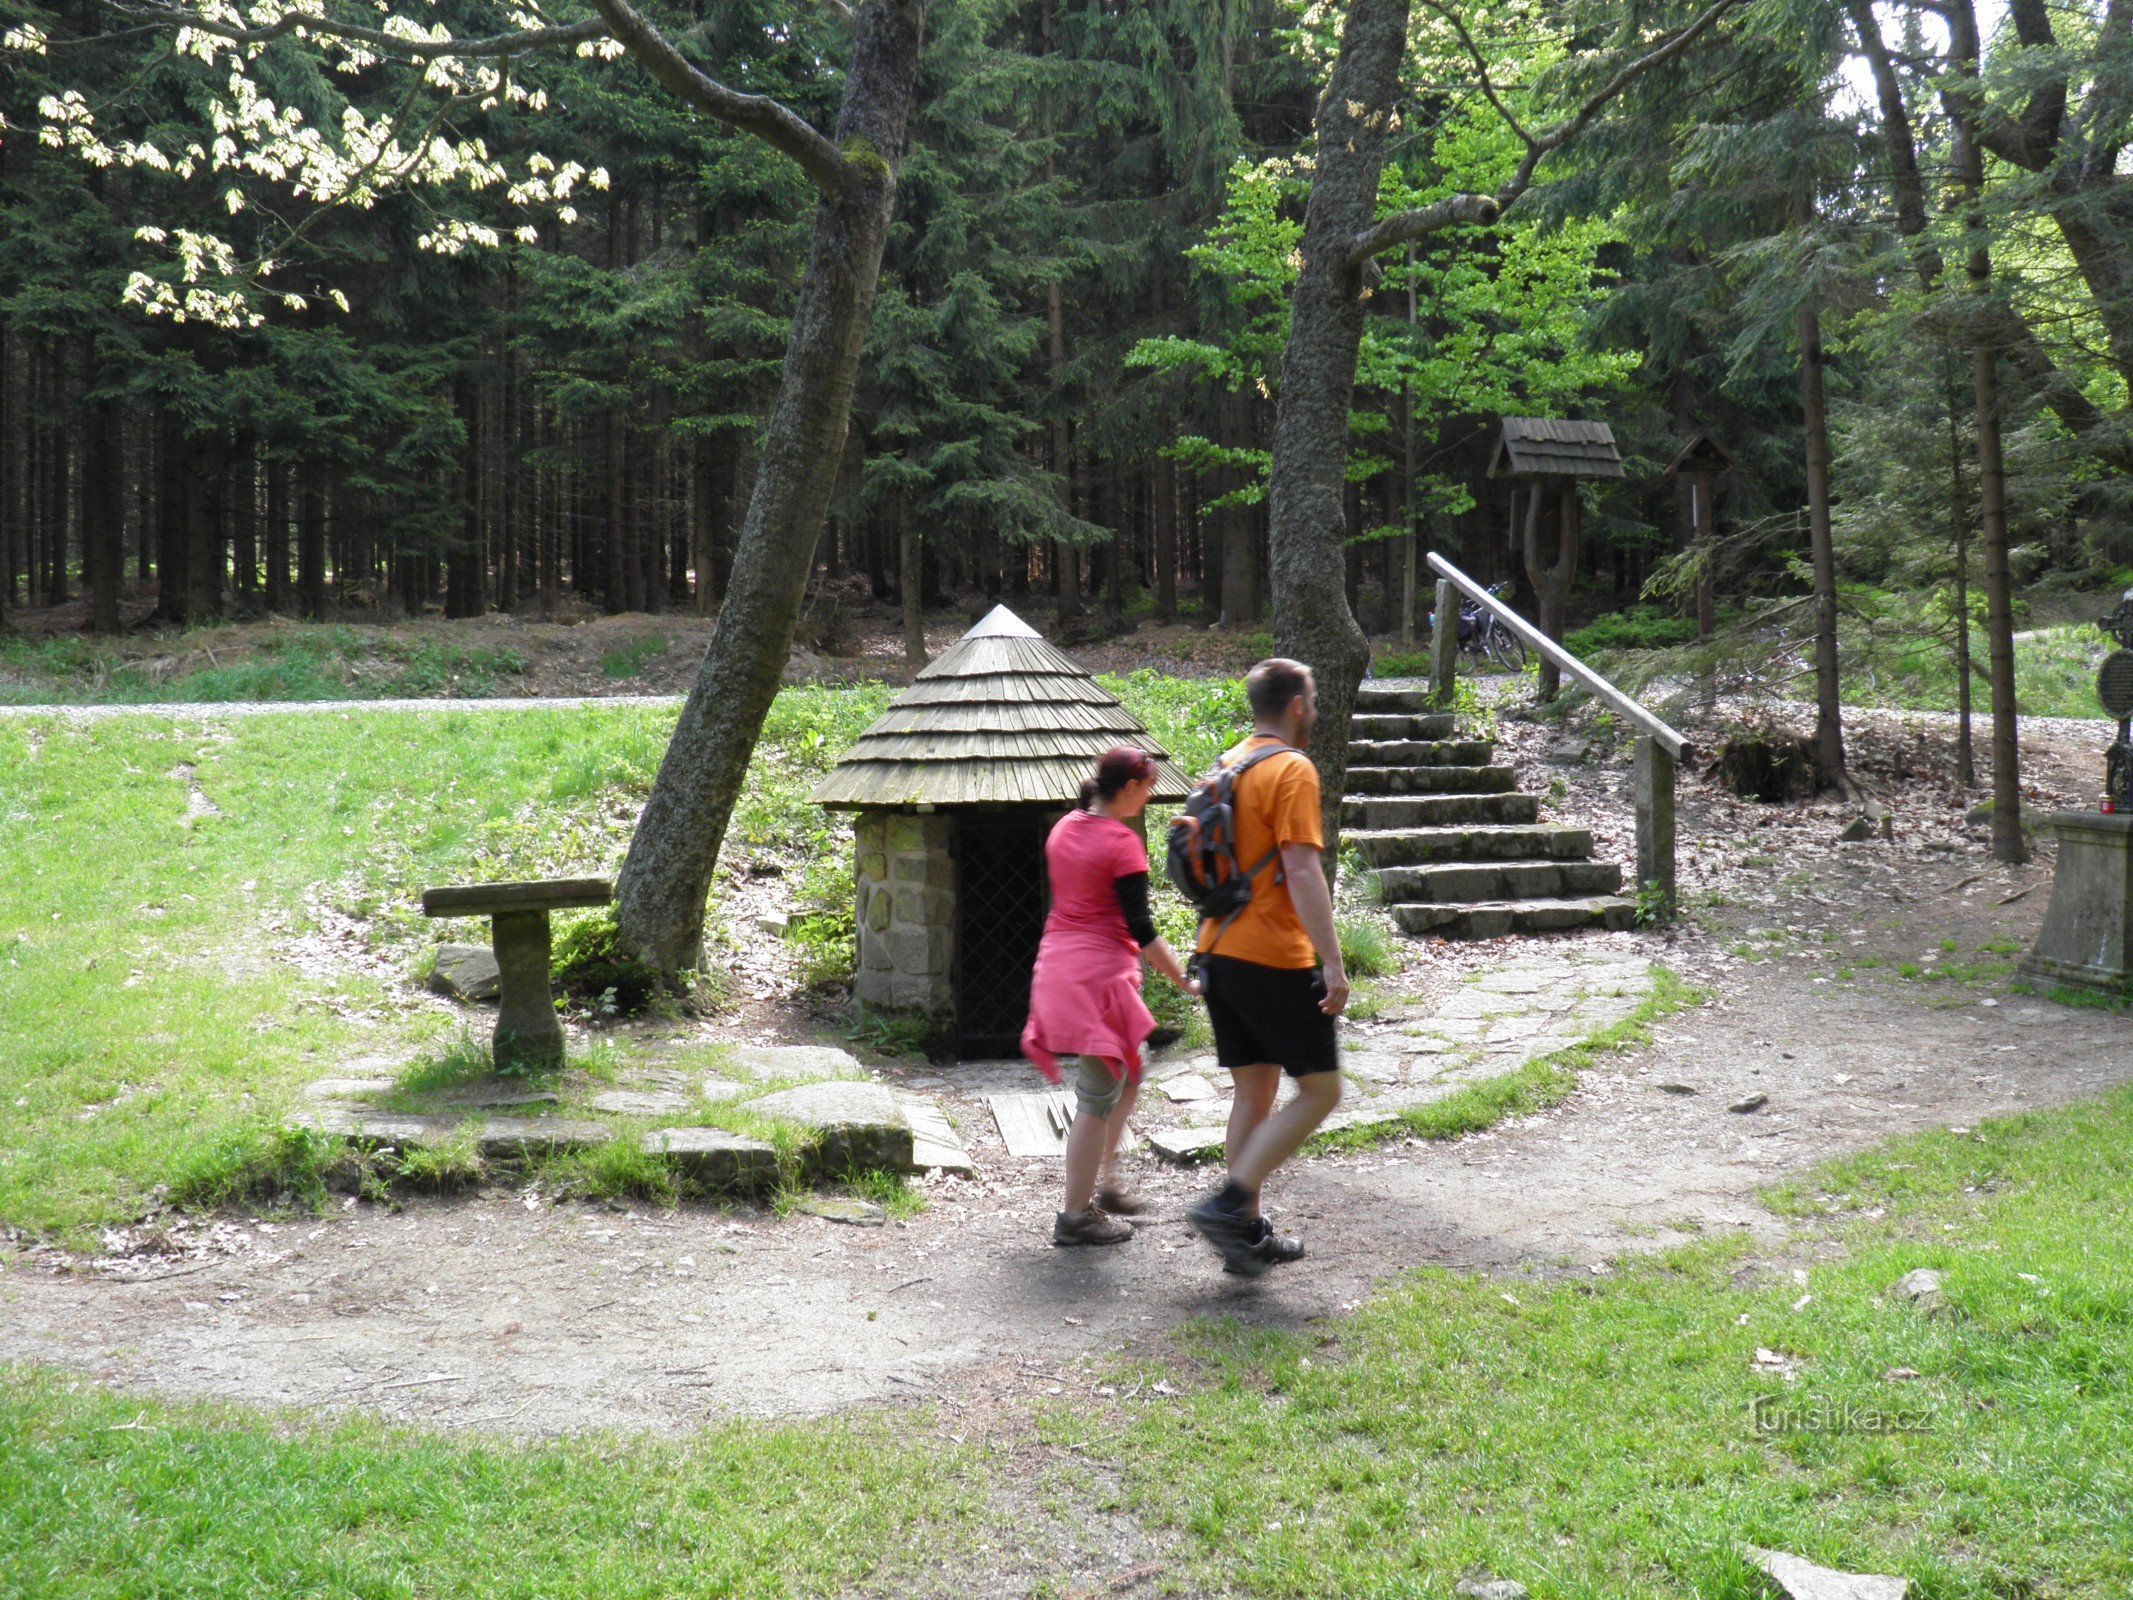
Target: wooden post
(1444, 645)
(1655, 824)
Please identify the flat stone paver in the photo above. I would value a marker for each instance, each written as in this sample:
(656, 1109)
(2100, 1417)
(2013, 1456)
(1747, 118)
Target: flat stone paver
(793, 1063)
(518, 1136)
(856, 1124)
(1535, 1005)
(641, 1102)
(714, 1157)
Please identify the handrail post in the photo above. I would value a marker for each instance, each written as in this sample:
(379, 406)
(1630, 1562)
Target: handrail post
(1443, 645)
(1655, 826)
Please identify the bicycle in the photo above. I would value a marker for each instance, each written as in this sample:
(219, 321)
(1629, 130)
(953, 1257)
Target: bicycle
(1483, 636)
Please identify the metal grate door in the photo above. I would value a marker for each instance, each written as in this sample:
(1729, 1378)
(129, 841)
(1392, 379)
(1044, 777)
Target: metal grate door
(999, 912)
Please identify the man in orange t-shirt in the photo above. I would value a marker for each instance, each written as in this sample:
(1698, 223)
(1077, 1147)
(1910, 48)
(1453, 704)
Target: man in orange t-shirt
(1273, 974)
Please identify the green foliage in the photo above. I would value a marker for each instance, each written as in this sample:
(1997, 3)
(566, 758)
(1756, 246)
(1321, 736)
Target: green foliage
(445, 1164)
(1368, 949)
(629, 660)
(591, 967)
(1638, 628)
(1395, 664)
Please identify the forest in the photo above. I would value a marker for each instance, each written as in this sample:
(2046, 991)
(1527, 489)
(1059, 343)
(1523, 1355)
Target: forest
(322, 322)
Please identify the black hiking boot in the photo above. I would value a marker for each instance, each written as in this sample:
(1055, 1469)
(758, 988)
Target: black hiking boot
(1273, 1249)
(1232, 1233)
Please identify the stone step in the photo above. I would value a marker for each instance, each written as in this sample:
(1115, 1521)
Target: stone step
(1410, 847)
(1490, 919)
(1447, 882)
(1440, 811)
(1430, 780)
(1420, 752)
(1401, 725)
(1380, 697)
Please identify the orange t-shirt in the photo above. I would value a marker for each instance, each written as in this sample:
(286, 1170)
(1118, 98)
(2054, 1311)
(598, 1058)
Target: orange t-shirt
(1276, 803)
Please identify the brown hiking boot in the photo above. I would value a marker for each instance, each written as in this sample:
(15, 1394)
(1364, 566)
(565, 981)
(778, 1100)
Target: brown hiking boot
(1120, 1202)
(1089, 1227)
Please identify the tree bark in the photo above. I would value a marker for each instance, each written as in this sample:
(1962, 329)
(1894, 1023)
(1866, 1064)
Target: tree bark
(1961, 99)
(104, 521)
(666, 878)
(1307, 526)
(1814, 411)
(1959, 516)
(911, 587)
(203, 532)
(1551, 580)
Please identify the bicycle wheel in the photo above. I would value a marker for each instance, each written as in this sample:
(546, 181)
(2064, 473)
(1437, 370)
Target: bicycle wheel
(1506, 647)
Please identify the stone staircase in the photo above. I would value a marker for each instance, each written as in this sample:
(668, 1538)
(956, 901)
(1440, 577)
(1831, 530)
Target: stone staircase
(1460, 853)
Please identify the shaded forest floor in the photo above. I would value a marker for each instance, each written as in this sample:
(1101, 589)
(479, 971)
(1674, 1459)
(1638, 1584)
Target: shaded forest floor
(580, 652)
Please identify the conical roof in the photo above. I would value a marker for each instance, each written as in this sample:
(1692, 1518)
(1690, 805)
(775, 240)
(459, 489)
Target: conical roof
(1002, 718)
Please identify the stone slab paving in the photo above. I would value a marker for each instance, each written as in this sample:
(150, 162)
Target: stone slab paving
(1542, 1000)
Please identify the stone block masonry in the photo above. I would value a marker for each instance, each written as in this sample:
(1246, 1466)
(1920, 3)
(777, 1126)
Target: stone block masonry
(905, 885)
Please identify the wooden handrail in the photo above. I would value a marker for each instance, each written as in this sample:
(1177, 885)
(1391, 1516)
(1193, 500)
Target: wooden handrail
(1668, 738)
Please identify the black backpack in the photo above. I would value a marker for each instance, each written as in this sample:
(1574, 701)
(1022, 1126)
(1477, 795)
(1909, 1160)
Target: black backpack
(1200, 853)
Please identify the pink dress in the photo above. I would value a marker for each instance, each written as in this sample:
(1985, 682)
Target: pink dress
(1085, 995)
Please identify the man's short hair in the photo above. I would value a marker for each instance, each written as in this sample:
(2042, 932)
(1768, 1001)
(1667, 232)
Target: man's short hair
(1271, 685)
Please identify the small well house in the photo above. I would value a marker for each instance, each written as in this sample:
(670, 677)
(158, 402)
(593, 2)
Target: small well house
(954, 788)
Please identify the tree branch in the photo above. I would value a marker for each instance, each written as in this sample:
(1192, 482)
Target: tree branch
(1481, 69)
(1406, 226)
(777, 125)
(1539, 145)
(161, 17)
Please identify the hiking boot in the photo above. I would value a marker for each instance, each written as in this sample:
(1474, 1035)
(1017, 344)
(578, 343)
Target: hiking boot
(1232, 1233)
(1089, 1227)
(1273, 1249)
(1119, 1202)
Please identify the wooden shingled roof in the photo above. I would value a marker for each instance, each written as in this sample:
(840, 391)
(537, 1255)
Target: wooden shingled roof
(1002, 718)
(1547, 447)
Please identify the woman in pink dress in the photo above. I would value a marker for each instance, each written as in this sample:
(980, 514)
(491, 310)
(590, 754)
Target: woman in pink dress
(1085, 995)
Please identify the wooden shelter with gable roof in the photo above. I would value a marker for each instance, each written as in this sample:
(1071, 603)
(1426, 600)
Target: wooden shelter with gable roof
(1540, 455)
(955, 787)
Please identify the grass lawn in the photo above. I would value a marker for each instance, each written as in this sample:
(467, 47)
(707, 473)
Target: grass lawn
(104, 1497)
(1597, 1437)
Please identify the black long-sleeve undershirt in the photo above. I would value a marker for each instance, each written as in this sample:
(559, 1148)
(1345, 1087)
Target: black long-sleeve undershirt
(1132, 891)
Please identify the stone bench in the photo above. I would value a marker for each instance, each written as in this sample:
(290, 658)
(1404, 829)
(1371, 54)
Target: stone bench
(528, 1036)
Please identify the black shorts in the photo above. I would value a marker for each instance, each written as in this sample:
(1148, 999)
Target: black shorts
(1265, 1015)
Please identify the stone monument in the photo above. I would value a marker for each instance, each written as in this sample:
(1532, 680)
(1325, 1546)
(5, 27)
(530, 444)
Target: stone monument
(2087, 938)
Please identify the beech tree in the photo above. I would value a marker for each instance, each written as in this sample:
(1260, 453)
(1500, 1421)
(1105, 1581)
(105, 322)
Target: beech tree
(1343, 234)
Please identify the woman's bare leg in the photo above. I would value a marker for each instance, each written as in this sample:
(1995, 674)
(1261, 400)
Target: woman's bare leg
(1115, 1130)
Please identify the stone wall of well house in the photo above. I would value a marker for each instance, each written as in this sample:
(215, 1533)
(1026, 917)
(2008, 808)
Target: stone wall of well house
(905, 876)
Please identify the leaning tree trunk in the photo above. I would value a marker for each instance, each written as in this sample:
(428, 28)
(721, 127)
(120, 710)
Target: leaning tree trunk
(1829, 715)
(666, 878)
(1307, 524)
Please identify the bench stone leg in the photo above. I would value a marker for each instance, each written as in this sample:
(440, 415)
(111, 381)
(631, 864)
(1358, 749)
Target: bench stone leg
(528, 1036)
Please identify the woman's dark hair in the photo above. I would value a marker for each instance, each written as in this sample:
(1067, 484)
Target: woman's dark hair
(1119, 766)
